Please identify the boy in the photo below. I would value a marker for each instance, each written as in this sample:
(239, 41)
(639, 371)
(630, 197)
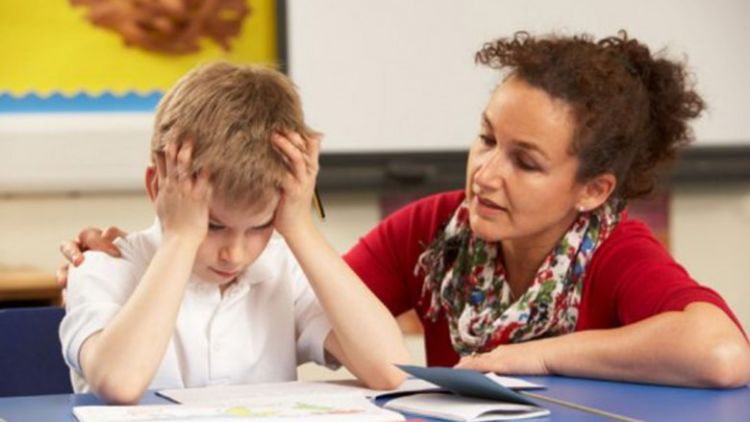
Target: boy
(205, 296)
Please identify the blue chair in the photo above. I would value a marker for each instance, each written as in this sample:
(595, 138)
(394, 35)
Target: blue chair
(31, 361)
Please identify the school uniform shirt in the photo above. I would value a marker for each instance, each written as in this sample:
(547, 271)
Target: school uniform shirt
(267, 323)
(630, 277)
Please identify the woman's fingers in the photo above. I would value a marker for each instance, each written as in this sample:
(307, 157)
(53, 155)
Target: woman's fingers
(90, 238)
(111, 233)
(62, 275)
(71, 251)
(482, 362)
(94, 239)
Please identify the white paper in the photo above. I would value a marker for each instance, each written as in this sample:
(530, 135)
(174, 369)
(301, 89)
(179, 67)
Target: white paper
(307, 408)
(231, 394)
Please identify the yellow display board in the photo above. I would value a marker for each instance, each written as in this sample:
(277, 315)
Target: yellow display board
(48, 46)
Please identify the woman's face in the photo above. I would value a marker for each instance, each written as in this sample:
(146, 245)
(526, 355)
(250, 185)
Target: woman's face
(521, 178)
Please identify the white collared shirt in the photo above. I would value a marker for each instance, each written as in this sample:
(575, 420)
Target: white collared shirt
(267, 322)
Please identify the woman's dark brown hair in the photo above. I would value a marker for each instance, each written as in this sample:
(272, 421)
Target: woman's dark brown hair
(631, 107)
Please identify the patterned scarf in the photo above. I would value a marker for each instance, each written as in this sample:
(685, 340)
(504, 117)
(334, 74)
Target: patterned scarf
(465, 277)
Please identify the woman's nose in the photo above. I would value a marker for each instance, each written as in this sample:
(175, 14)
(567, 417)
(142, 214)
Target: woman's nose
(491, 171)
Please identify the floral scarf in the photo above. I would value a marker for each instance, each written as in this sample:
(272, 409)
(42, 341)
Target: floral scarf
(465, 277)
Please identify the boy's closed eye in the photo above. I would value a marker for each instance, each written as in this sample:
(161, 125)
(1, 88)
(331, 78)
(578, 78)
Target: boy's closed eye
(216, 226)
(264, 226)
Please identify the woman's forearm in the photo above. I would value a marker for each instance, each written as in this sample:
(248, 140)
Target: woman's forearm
(698, 347)
(120, 361)
(365, 330)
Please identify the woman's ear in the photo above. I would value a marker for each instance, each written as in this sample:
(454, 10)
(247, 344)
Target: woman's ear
(596, 191)
(152, 182)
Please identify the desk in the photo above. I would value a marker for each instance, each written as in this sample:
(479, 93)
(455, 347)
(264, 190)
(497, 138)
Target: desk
(643, 402)
(650, 402)
(27, 285)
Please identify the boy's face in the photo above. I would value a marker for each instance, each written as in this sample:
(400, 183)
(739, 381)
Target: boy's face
(236, 237)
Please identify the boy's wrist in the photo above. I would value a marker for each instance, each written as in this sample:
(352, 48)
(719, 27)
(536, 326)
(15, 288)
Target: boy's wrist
(301, 228)
(183, 239)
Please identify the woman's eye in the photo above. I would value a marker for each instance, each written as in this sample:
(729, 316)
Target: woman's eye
(215, 227)
(526, 164)
(487, 140)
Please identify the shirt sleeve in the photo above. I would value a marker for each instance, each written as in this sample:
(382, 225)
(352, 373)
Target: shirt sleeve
(311, 322)
(96, 291)
(645, 280)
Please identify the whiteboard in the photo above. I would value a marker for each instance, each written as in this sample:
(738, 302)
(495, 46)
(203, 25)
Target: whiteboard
(394, 75)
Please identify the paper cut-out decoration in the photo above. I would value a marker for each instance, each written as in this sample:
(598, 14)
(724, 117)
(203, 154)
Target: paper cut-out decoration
(169, 26)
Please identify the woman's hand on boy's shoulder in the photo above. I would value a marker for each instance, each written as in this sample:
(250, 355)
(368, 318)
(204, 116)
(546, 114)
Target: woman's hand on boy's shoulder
(90, 238)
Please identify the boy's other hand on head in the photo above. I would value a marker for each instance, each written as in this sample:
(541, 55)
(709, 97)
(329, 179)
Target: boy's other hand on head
(301, 156)
(90, 238)
(182, 198)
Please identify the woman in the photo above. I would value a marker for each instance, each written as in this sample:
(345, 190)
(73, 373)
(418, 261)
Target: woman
(535, 268)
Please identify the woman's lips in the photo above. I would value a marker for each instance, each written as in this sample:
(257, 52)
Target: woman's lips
(489, 204)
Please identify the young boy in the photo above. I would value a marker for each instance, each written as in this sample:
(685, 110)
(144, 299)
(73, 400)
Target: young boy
(205, 296)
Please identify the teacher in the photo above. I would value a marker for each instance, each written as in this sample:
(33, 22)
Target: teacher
(535, 267)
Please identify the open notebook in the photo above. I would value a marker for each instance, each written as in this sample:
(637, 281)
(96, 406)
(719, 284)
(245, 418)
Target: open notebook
(467, 396)
(229, 394)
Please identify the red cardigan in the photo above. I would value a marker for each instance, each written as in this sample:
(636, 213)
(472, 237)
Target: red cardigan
(631, 276)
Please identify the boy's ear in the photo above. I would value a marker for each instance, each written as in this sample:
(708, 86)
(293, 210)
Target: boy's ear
(152, 182)
(596, 191)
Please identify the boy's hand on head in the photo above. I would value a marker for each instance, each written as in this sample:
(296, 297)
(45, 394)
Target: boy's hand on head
(301, 156)
(183, 198)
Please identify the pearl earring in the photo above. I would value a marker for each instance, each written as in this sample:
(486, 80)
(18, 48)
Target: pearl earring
(581, 208)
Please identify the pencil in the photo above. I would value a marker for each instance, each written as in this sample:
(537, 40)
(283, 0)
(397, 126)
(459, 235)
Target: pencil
(318, 204)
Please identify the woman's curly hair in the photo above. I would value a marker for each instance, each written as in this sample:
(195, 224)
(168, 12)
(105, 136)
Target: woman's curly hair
(631, 107)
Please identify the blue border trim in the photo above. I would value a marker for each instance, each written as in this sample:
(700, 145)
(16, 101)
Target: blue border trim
(107, 102)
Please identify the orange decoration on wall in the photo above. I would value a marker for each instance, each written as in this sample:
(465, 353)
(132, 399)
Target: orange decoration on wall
(169, 26)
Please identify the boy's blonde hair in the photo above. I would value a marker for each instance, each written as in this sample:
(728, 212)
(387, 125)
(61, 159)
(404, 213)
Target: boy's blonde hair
(230, 112)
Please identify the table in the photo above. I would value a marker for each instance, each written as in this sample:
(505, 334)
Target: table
(25, 284)
(637, 401)
(651, 402)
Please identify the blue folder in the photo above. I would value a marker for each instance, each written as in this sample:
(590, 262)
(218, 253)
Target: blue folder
(466, 382)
